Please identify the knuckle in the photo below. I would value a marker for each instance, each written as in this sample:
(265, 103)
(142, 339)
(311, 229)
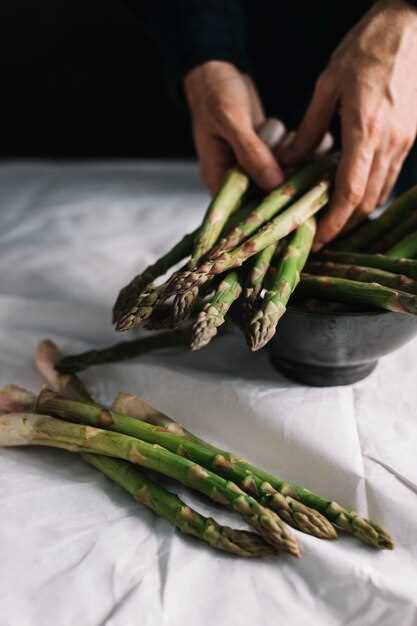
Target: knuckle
(372, 122)
(352, 193)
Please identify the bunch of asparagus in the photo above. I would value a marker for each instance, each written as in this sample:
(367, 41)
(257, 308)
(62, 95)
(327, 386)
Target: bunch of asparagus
(131, 437)
(252, 251)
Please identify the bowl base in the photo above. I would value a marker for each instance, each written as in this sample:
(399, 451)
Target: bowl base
(323, 375)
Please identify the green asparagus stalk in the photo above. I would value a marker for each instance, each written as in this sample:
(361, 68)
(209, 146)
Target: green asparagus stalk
(399, 210)
(191, 448)
(142, 488)
(256, 277)
(344, 290)
(213, 314)
(396, 234)
(123, 351)
(275, 202)
(169, 506)
(349, 520)
(379, 261)
(184, 302)
(138, 300)
(270, 233)
(406, 248)
(265, 319)
(363, 274)
(31, 429)
(126, 303)
(224, 203)
(221, 210)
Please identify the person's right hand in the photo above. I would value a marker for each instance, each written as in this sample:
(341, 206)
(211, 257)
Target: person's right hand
(226, 113)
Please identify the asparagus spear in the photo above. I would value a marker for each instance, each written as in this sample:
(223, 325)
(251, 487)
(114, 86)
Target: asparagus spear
(270, 233)
(192, 448)
(169, 506)
(127, 310)
(230, 195)
(344, 290)
(379, 261)
(213, 314)
(230, 466)
(142, 488)
(396, 234)
(123, 351)
(349, 520)
(31, 429)
(363, 274)
(406, 248)
(224, 203)
(274, 203)
(298, 499)
(364, 236)
(256, 276)
(126, 302)
(138, 300)
(265, 319)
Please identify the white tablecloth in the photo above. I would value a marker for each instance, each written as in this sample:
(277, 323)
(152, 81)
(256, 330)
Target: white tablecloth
(76, 550)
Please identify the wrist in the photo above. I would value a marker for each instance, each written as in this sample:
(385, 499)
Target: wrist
(199, 80)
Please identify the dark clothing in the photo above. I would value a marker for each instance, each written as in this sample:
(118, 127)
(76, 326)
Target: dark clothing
(284, 45)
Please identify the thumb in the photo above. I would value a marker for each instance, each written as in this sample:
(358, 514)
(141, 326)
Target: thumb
(313, 125)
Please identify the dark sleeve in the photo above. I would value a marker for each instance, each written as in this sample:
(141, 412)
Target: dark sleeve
(189, 32)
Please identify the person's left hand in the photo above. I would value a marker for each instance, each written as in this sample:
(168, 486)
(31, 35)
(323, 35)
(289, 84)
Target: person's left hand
(372, 79)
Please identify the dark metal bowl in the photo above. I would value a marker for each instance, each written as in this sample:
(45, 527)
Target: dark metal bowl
(336, 348)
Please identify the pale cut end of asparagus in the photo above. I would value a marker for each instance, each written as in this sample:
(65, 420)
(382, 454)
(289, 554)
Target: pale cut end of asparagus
(47, 356)
(14, 399)
(18, 429)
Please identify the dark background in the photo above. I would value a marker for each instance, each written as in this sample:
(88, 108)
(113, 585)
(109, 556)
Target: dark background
(81, 79)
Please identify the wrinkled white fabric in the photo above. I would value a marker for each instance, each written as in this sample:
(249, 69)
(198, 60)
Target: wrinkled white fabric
(76, 550)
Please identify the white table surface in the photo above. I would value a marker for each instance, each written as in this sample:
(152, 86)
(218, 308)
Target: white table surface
(74, 549)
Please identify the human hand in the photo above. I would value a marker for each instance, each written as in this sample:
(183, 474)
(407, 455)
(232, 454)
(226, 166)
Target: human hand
(226, 114)
(371, 80)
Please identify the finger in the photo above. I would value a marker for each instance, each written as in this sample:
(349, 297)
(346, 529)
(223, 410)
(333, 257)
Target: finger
(215, 158)
(256, 158)
(314, 124)
(257, 110)
(377, 178)
(351, 179)
(391, 179)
